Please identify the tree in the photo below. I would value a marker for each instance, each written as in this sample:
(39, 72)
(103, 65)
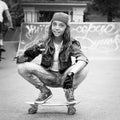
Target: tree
(17, 14)
(108, 7)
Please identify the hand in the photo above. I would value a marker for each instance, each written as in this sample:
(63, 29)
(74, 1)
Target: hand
(11, 27)
(21, 59)
(68, 83)
(41, 46)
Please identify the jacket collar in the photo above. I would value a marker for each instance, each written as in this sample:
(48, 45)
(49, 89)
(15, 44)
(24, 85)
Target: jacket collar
(51, 45)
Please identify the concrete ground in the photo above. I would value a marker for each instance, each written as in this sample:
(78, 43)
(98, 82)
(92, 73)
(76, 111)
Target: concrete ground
(99, 93)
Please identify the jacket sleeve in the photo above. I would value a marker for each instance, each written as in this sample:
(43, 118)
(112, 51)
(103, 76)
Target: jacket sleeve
(77, 52)
(30, 53)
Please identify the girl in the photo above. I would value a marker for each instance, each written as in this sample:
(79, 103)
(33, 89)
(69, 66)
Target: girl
(56, 68)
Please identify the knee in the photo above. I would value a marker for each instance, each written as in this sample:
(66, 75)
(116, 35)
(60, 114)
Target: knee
(83, 73)
(25, 68)
(21, 68)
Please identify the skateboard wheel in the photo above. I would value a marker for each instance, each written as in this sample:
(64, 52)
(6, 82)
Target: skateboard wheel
(71, 110)
(32, 111)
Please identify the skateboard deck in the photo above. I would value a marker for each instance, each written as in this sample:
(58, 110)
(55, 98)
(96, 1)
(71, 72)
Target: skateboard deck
(70, 105)
(50, 103)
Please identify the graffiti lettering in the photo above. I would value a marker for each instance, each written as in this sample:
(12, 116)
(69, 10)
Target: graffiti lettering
(109, 29)
(34, 30)
(112, 43)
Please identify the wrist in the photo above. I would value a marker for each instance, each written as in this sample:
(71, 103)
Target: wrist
(71, 73)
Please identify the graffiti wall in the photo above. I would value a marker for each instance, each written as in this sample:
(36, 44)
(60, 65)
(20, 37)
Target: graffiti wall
(98, 40)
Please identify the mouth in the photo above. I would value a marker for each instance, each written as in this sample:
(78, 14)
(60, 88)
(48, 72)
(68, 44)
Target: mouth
(56, 33)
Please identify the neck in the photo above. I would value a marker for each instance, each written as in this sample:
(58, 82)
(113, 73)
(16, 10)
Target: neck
(58, 40)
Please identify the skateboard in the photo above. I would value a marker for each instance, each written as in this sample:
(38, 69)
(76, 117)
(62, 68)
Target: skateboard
(70, 105)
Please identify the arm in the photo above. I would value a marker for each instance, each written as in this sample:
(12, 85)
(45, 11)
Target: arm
(9, 18)
(31, 53)
(77, 52)
(81, 59)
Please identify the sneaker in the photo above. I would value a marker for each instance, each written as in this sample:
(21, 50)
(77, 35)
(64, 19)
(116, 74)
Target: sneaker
(68, 83)
(43, 97)
(71, 110)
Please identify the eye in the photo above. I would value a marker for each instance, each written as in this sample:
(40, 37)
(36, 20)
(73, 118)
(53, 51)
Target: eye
(61, 25)
(54, 23)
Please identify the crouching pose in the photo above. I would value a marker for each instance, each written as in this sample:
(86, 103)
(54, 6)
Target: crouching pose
(56, 68)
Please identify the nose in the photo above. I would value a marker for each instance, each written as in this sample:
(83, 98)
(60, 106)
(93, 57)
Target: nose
(57, 27)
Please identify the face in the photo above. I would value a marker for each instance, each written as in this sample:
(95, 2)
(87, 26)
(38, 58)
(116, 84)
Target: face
(58, 28)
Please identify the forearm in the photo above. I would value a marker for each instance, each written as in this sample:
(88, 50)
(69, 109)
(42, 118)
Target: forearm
(9, 18)
(10, 21)
(78, 66)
